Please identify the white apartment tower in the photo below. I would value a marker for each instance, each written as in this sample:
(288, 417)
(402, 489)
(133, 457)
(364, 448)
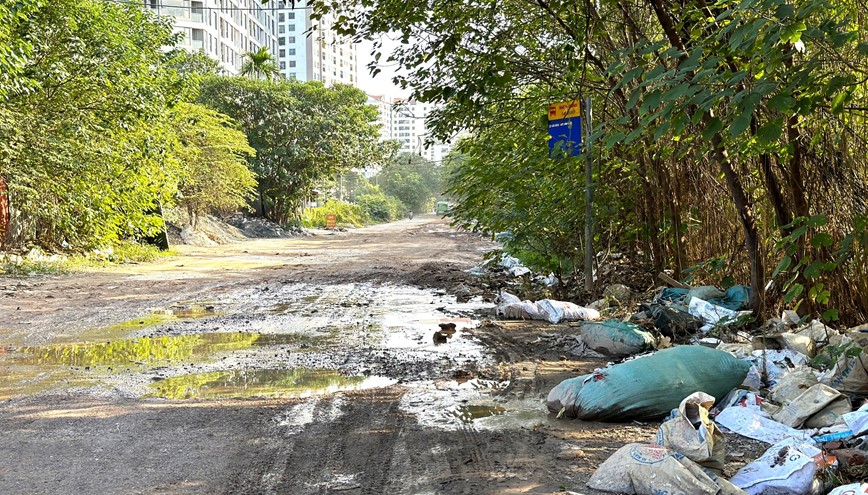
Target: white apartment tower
(307, 54)
(407, 122)
(223, 29)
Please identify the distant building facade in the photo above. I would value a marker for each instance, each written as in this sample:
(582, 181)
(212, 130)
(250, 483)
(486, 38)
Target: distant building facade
(313, 54)
(408, 127)
(223, 29)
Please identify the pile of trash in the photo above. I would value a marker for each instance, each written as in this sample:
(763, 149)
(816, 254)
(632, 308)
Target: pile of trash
(512, 307)
(770, 387)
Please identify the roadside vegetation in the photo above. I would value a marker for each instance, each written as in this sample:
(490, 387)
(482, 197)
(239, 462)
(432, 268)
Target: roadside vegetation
(728, 141)
(104, 124)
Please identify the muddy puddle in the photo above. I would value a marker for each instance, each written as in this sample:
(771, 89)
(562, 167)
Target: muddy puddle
(262, 383)
(278, 340)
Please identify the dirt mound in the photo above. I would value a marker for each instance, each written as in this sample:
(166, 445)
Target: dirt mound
(438, 274)
(211, 230)
(260, 228)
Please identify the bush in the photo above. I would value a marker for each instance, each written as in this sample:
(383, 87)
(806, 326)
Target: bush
(346, 214)
(379, 207)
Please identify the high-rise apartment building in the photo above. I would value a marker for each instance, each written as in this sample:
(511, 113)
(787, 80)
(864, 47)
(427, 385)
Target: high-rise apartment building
(408, 127)
(223, 29)
(316, 54)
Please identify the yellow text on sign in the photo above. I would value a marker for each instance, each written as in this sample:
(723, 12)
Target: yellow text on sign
(565, 110)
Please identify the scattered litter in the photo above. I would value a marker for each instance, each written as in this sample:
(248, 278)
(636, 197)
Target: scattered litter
(511, 307)
(652, 470)
(712, 314)
(857, 420)
(812, 401)
(788, 467)
(689, 431)
(851, 489)
(648, 387)
(792, 384)
(750, 423)
(850, 373)
(617, 338)
(618, 295)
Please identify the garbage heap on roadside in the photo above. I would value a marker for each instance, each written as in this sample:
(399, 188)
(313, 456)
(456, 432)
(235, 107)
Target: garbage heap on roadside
(767, 387)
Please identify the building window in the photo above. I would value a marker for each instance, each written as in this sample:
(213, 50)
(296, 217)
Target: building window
(292, 75)
(281, 30)
(291, 15)
(292, 39)
(281, 41)
(282, 53)
(282, 65)
(292, 51)
(292, 63)
(290, 27)
(198, 37)
(280, 17)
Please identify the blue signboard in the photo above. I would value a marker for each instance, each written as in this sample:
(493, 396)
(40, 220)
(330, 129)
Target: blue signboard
(565, 137)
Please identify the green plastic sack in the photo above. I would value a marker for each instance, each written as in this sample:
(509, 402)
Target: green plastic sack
(616, 338)
(648, 387)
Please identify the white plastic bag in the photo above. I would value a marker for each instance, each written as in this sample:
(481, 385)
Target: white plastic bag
(652, 470)
(787, 468)
(857, 421)
(752, 424)
(851, 489)
(712, 314)
(692, 433)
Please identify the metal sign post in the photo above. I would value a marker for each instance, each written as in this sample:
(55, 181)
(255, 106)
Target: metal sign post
(589, 199)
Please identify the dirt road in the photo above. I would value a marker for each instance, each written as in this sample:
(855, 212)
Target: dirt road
(287, 366)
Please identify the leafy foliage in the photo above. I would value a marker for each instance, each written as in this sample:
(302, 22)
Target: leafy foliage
(347, 214)
(308, 131)
(717, 125)
(214, 175)
(85, 139)
(412, 179)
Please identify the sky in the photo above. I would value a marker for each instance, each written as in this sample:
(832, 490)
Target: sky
(382, 83)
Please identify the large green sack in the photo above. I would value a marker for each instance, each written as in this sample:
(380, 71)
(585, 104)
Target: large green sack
(616, 338)
(648, 387)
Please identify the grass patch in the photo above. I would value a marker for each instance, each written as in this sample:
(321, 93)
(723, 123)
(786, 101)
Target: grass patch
(37, 262)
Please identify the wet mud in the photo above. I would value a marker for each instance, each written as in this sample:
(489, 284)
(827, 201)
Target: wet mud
(339, 364)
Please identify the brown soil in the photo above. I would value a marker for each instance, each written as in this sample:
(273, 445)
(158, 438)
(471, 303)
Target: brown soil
(94, 441)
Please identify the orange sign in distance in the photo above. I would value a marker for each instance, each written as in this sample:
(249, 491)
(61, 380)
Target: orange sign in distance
(331, 221)
(565, 110)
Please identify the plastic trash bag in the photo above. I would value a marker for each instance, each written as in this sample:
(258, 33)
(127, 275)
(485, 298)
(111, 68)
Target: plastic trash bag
(617, 338)
(751, 423)
(787, 468)
(850, 374)
(857, 421)
(652, 470)
(810, 402)
(689, 431)
(557, 311)
(649, 387)
(851, 489)
(792, 384)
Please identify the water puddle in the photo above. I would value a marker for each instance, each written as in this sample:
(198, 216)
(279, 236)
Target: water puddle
(469, 413)
(148, 351)
(299, 382)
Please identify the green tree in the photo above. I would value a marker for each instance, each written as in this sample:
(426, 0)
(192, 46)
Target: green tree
(721, 125)
(308, 132)
(259, 64)
(212, 154)
(84, 140)
(412, 179)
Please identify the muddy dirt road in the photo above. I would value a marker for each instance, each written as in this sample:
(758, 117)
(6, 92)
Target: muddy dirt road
(287, 366)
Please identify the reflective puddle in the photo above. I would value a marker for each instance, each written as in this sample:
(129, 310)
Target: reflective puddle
(467, 414)
(147, 351)
(297, 382)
